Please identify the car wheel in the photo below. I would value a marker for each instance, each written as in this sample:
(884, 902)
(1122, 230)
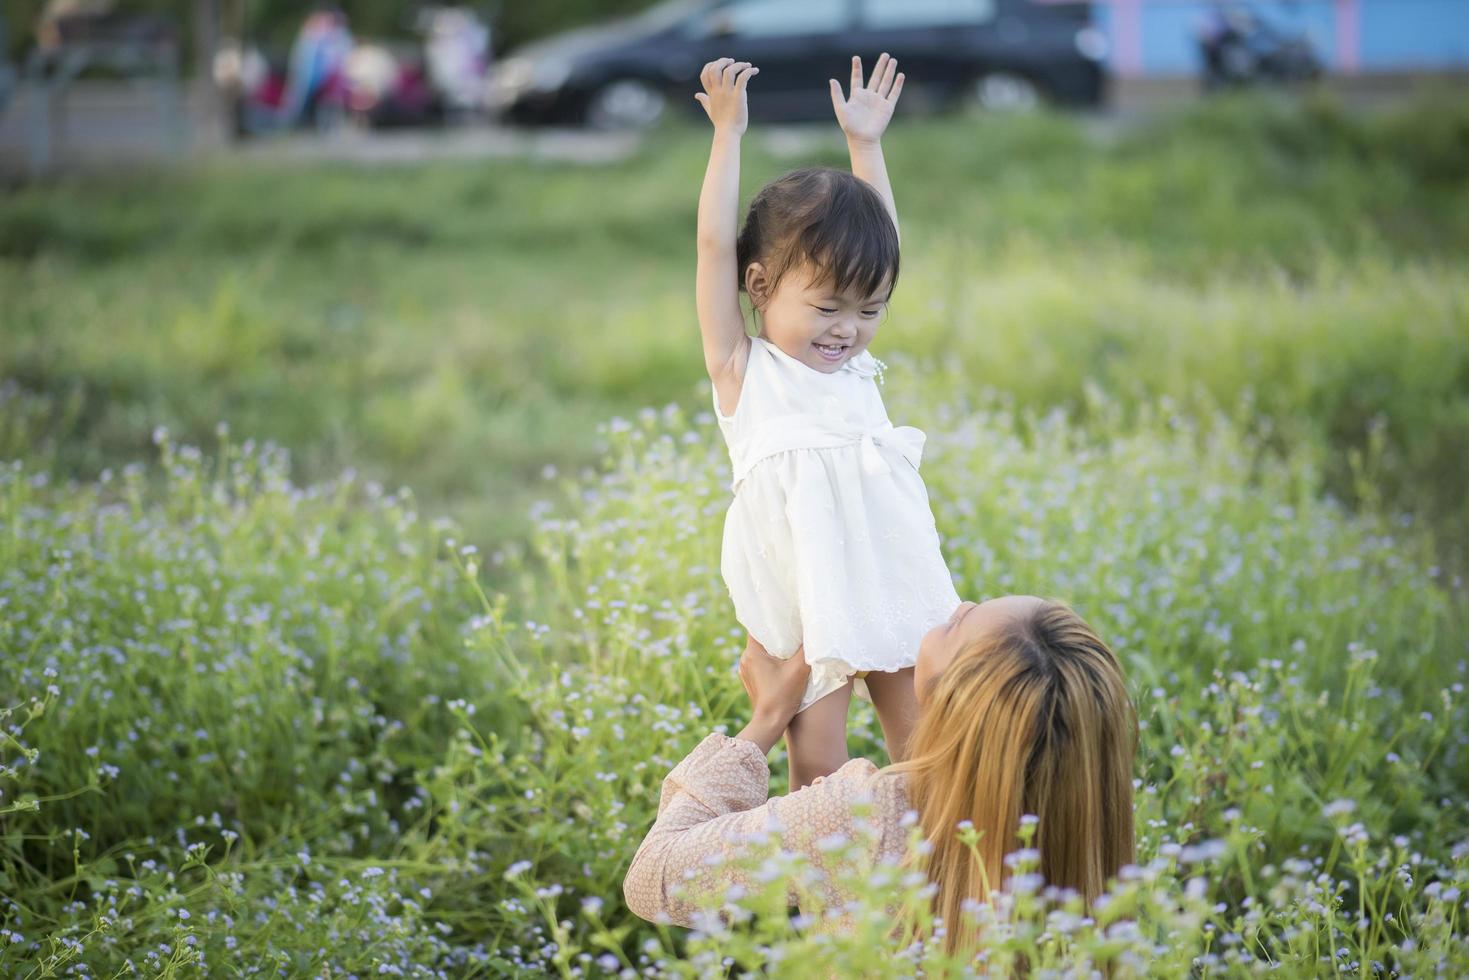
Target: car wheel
(1003, 91)
(627, 103)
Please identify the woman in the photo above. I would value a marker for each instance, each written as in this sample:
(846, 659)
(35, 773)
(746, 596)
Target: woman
(1021, 710)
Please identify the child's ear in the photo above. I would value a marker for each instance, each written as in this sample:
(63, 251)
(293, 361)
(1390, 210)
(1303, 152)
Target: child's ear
(757, 284)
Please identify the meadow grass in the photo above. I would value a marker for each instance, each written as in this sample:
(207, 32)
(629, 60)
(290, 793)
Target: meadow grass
(1206, 381)
(459, 328)
(268, 728)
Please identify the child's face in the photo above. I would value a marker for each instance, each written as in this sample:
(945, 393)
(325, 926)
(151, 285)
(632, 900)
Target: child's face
(811, 321)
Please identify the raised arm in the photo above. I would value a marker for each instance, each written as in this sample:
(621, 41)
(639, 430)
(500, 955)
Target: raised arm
(716, 289)
(864, 116)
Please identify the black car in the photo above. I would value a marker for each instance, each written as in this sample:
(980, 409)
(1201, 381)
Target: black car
(999, 54)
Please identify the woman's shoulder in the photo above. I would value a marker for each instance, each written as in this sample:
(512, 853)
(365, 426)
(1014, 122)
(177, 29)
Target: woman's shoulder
(863, 775)
(861, 767)
(830, 804)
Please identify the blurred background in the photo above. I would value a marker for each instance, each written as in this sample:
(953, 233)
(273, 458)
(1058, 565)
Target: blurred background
(443, 243)
(89, 80)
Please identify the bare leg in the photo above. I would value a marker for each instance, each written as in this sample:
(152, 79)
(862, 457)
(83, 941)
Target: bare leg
(816, 740)
(897, 708)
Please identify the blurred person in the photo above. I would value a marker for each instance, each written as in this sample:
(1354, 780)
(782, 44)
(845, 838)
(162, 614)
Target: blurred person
(315, 75)
(371, 73)
(457, 50)
(255, 91)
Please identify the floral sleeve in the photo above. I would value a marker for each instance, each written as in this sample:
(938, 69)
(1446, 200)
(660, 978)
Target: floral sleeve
(712, 801)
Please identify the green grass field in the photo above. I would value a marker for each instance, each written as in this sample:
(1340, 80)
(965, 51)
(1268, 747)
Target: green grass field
(456, 329)
(1206, 379)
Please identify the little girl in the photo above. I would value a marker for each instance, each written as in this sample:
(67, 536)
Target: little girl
(829, 545)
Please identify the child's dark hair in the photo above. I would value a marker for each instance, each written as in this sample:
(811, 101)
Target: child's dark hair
(826, 217)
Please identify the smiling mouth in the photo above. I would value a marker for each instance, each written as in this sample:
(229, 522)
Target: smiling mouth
(830, 352)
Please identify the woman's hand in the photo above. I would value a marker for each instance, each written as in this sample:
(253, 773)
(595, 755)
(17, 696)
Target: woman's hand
(775, 687)
(865, 114)
(723, 97)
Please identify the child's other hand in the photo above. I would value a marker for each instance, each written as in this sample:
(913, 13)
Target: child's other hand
(723, 97)
(865, 114)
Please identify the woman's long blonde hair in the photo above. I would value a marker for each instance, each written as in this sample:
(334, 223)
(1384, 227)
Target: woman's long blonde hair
(1035, 719)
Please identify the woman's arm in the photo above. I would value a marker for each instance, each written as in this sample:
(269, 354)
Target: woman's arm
(864, 116)
(712, 801)
(716, 281)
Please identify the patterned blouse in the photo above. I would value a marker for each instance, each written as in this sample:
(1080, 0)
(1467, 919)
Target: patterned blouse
(717, 797)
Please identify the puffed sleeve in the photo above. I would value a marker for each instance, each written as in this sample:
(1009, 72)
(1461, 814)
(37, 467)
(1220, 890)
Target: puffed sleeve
(716, 799)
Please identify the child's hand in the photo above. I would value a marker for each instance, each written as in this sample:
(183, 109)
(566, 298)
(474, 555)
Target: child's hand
(865, 114)
(724, 82)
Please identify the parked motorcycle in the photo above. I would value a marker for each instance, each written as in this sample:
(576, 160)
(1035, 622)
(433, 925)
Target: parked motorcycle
(1241, 48)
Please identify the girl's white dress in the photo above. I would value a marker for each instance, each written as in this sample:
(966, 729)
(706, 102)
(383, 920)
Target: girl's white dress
(829, 541)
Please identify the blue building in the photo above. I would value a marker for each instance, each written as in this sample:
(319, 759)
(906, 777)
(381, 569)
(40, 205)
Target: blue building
(1155, 38)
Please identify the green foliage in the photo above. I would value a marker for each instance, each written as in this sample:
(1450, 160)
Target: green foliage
(1284, 655)
(463, 327)
(1207, 382)
(231, 647)
(496, 772)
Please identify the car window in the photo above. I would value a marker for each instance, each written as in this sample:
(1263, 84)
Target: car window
(768, 18)
(666, 14)
(924, 13)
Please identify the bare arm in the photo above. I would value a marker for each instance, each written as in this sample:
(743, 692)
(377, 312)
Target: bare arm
(867, 163)
(864, 116)
(716, 280)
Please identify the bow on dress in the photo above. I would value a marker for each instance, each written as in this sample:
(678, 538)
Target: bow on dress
(819, 431)
(904, 438)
